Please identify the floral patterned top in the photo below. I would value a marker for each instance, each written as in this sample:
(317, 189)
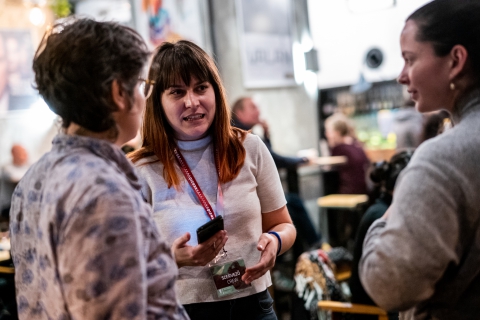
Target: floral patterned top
(84, 243)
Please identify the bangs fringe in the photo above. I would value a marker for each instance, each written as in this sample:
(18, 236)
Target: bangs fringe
(181, 67)
(176, 64)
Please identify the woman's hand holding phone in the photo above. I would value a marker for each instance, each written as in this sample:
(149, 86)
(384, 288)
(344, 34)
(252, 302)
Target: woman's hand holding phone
(199, 255)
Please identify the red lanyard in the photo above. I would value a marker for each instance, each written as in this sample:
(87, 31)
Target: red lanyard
(196, 188)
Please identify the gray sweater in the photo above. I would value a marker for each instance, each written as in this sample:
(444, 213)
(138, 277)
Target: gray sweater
(428, 249)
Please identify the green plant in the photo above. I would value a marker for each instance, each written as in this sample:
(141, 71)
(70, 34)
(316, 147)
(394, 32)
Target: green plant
(61, 8)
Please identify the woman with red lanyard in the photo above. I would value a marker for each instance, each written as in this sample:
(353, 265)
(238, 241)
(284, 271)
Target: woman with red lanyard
(196, 167)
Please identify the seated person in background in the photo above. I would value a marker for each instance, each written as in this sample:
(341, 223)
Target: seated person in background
(384, 175)
(351, 177)
(10, 175)
(20, 164)
(246, 115)
(340, 137)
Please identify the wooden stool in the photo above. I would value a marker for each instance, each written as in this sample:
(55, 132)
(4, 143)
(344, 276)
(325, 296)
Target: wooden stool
(342, 201)
(345, 307)
(351, 202)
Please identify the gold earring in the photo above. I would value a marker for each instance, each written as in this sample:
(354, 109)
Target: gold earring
(452, 86)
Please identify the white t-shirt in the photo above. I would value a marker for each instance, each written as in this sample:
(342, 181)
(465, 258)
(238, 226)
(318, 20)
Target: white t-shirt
(256, 190)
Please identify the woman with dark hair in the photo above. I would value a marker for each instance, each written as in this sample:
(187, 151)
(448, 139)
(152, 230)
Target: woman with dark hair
(84, 243)
(192, 157)
(423, 256)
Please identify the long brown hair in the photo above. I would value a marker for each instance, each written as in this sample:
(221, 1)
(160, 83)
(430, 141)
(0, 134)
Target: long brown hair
(171, 63)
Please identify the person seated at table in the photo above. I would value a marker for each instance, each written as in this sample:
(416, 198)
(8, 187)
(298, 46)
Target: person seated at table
(15, 170)
(384, 175)
(351, 178)
(340, 136)
(10, 175)
(246, 115)
(83, 241)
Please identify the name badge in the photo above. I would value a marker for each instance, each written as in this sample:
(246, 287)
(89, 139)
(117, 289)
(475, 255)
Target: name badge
(228, 277)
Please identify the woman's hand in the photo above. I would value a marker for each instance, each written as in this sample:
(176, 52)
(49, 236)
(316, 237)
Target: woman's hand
(279, 221)
(268, 245)
(200, 255)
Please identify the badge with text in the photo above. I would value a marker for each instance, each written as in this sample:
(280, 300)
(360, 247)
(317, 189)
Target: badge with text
(228, 277)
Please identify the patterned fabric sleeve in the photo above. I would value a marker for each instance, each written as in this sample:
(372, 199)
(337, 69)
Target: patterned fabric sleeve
(145, 190)
(101, 260)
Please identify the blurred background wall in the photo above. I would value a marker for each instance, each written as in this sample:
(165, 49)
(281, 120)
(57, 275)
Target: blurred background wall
(27, 120)
(291, 111)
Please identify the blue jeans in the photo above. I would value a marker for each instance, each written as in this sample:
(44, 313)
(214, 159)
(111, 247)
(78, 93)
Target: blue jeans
(258, 306)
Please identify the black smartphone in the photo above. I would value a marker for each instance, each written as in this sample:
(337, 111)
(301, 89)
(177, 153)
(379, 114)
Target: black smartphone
(206, 231)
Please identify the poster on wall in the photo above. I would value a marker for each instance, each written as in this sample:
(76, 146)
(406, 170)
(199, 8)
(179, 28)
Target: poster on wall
(16, 74)
(265, 32)
(173, 20)
(106, 10)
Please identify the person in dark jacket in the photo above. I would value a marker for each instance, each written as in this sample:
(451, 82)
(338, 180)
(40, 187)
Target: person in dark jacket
(384, 175)
(246, 115)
